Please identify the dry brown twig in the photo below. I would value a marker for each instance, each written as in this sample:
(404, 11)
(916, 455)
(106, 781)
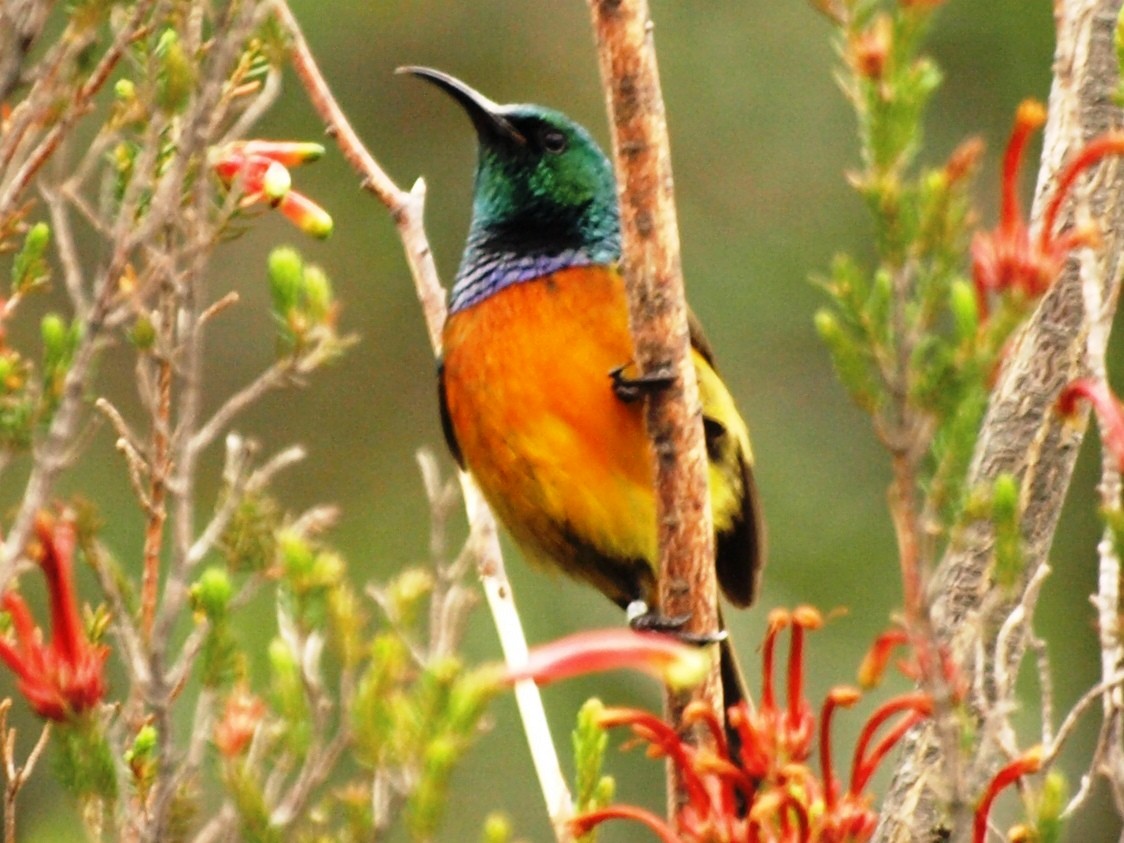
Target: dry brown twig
(15, 775)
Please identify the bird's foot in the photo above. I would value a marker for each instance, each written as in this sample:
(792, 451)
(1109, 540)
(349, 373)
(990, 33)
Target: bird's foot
(632, 389)
(643, 619)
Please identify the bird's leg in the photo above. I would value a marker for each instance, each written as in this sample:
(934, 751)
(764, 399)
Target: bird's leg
(643, 619)
(632, 389)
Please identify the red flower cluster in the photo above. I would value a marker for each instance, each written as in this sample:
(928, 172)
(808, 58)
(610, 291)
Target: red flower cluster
(768, 790)
(1009, 258)
(65, 677)
(261, 169)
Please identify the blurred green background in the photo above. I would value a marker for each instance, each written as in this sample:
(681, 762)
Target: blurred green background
(761, 139)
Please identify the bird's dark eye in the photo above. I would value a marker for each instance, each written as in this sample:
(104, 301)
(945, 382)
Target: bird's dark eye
(553, 141)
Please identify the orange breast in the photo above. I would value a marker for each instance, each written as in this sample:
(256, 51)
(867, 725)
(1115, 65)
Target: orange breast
(561, 459)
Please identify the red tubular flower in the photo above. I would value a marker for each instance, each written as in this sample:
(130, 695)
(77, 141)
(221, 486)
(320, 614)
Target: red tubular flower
(873, 667)
(64, 678)
(1029, 762)
(800, 722)
(1110, 143)
(734, 781)
(778, 620)
(261, 169)
(286, 153)
(665, 741)
(664, 656)
(305, 214)
(917, 706)
(1110, 412)
(587, 822)
(836, 698)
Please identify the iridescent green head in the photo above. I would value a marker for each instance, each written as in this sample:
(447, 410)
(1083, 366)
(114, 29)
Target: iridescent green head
(545, 197)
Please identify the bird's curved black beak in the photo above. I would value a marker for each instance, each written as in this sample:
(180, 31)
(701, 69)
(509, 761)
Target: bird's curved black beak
(485, 114)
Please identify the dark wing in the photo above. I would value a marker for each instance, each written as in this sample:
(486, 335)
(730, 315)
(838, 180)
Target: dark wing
(739, 527)
(446, 419)
(740, 549)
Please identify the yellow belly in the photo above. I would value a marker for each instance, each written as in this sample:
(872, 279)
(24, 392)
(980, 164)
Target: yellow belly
(564, 463)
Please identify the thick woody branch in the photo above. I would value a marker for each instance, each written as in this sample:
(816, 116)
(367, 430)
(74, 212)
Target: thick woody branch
(658, 315)
(1022, 433)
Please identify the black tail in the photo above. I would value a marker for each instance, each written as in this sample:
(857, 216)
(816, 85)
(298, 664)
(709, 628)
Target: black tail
(734, 691)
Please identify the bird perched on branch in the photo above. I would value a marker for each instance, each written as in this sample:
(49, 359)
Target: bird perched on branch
(534, 399)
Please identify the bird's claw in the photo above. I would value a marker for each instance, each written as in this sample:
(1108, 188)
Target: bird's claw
(632, 389)
(643, 619)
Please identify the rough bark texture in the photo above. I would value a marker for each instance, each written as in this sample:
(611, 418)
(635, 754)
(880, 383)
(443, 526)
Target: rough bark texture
(658, 316)
(1022, 433)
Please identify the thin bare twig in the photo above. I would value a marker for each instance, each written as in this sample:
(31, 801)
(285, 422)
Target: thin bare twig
(159, 469)
(73, 276)
(78, 106)
(16, 776)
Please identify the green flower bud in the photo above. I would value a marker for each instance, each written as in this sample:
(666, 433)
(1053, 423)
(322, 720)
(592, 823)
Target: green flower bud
(125, 90)
(124, 154)
(145, 741)
(497, 828)
(297, 557)
(38, 236)
(965, 309)
(286, 278)
(177, 75)
(212, 592)
(281, 661)
(328, 569)
(143, 333)
(317, 294)
(827, 326)
(55, 336)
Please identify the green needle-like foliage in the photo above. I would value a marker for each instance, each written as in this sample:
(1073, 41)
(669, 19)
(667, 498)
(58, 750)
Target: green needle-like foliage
(30, 269)
(592, 789)
(905, 335)
(84, 763)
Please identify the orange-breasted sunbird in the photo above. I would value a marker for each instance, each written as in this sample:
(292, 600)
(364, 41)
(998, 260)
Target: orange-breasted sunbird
(533, 399)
